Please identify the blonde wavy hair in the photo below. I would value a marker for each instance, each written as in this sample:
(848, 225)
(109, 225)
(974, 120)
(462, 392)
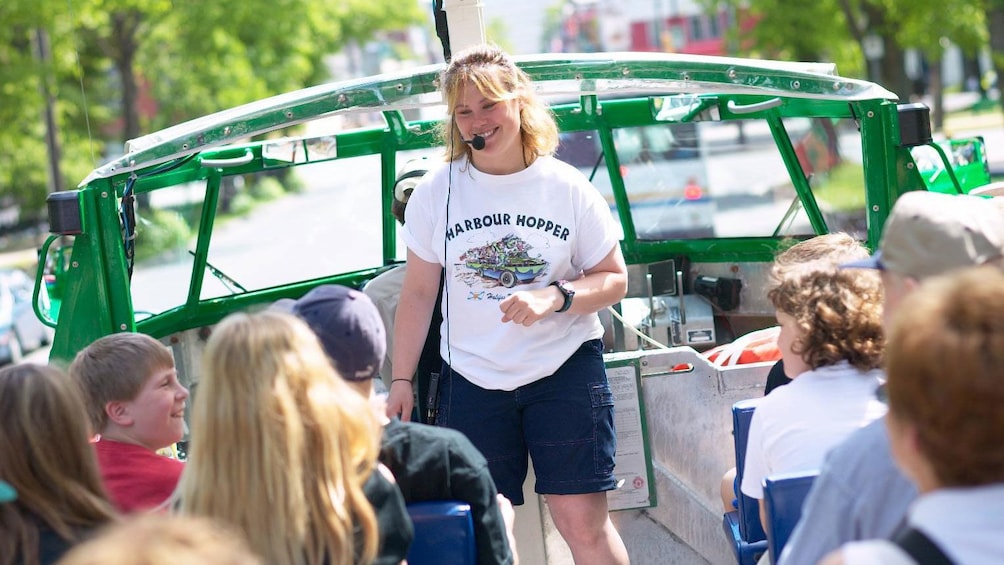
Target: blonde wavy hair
(280, 445)
(498, 79)
(46, 455)
(821, 251)
(164, 539)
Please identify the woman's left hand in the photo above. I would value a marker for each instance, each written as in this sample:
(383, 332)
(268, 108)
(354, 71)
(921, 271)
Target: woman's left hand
(526, 307)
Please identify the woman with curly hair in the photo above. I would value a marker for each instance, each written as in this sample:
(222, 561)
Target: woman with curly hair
(283, 449)
(47, 459)
(831, 342)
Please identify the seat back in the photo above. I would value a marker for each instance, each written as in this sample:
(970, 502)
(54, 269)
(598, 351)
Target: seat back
(444, 534)
(749, 509)
(783, 495)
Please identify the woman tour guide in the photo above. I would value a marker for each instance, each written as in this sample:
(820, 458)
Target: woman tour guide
(531, 253)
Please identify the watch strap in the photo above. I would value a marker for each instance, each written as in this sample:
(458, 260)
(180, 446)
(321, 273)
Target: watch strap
(566, 292)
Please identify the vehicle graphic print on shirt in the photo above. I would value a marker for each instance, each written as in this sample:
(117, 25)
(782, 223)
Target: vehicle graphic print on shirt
(506, 261)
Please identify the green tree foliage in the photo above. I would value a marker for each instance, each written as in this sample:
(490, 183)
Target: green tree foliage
(775, 29)
(496, 32)
(121, 68)
(26, 80)
(929, 29)
(835, 30)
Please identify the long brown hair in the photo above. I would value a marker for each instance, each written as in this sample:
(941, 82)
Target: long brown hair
(46, 455)
(280, 445)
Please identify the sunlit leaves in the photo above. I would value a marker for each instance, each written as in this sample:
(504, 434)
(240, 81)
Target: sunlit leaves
(187, 58)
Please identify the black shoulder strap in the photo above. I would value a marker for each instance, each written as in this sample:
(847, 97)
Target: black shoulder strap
(920, 547)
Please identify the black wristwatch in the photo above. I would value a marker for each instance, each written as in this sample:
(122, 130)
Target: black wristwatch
(567, 292)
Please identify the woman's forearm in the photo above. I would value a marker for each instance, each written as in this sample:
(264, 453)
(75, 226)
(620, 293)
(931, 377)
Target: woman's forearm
(603, 285)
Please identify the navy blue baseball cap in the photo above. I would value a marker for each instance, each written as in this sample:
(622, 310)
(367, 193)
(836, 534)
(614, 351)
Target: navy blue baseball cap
(349, 327)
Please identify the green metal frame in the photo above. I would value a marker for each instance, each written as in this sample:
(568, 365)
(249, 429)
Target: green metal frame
(95, 290)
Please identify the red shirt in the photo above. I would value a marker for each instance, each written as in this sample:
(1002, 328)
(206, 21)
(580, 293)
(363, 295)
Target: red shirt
(135, 477)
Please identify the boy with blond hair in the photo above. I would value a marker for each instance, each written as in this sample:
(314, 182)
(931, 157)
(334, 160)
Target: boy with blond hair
(137, 406)
(831, 343)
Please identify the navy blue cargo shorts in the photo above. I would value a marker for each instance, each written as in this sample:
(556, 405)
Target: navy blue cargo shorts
(564, 421)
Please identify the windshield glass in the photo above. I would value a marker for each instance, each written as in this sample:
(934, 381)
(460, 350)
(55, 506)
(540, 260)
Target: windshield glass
(298, 224)
(271, 227)
(726, 179)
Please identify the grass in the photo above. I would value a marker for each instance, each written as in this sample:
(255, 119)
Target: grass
(981, 115)
(841, 188)
(972, 120)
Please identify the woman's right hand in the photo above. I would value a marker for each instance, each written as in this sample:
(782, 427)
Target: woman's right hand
(401, 399)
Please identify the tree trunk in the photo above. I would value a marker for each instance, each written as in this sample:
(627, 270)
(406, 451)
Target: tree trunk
(124, 27)
(937, 90)
(44, 55)
(893, 70)
(995, 26)
(972, 81)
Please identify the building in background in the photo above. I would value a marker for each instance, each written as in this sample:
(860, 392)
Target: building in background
(672, 26)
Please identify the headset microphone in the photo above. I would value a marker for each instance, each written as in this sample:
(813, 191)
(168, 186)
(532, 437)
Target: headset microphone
(477, 142)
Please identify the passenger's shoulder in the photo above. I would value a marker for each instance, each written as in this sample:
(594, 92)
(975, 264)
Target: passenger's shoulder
(437, 438)
(779, 400)
(866, 452)
(430, 433)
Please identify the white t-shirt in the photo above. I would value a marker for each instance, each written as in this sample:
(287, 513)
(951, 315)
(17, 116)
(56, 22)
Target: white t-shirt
(875, 552)
(503, 234)
(795, 425)
(963, 522)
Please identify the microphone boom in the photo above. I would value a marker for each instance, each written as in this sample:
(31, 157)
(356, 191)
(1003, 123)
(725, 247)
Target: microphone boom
(477, 142)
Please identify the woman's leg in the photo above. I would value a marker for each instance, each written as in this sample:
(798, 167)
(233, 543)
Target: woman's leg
(568, 420)
(584, 523)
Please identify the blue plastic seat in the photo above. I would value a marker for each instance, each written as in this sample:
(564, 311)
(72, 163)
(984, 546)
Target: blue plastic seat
(444, 534)
(783, 496)
(742, 526)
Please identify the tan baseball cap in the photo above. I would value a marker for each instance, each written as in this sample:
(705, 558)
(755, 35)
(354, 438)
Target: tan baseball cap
(929, 233)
